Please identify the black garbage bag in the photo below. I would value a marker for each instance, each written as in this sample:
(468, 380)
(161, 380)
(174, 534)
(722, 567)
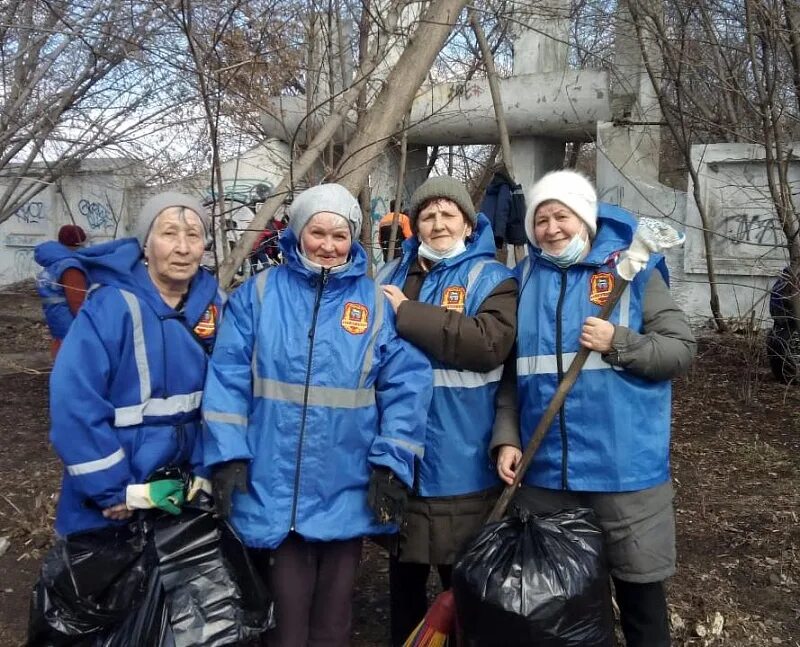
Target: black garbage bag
(535, 580)
(163, 581)
(87, 584)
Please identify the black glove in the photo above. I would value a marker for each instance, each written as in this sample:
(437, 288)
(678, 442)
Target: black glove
(387, 496)
(226, 477)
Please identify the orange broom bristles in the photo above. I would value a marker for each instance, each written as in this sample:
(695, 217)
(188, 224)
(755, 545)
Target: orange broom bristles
(437, 625)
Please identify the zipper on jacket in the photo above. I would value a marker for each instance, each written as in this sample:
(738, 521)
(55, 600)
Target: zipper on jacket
(560, 367)
(311, 333)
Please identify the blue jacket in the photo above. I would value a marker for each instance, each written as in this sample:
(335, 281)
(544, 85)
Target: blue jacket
(127, 384)
(612, 434)
(310, 383)
(56, 259)
(462, 410)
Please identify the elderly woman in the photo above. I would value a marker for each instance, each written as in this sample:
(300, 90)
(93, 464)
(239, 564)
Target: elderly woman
(608, 449)
(126, 388)
(458, 305)
(315, 411)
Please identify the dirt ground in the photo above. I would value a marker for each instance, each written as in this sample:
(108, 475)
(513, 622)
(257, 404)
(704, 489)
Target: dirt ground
(736, 466)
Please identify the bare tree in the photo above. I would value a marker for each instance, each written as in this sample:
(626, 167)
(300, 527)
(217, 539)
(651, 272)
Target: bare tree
(69, 88)
(727, 71)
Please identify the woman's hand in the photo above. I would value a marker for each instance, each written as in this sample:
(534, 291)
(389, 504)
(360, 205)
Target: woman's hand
(395, 296)
(597, 334)
(119, 512)
(508, 458)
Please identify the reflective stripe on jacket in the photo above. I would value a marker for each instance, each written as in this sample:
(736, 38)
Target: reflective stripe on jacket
(311, 384)
(462, 410)
(612, 433)
(126, 390)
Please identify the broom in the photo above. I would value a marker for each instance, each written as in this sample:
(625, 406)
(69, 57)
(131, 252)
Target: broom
(651, 236)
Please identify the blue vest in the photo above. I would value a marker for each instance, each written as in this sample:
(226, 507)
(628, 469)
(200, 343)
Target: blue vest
(125, 394)
(612, 434)
(54, 301)
(462, 410)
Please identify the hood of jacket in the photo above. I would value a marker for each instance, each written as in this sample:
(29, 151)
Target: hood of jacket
(45, 254)
(479, 245)
(499, 179)
(118, 263)
(355, 266)
(615, 229)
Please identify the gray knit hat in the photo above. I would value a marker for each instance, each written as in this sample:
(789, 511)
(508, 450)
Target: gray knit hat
(442, 187)
(161, 201)
(333, 198)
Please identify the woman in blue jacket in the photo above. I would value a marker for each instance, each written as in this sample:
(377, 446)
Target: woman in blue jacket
(126, 388)
(313, 402)
(458, 305)
(608, 448)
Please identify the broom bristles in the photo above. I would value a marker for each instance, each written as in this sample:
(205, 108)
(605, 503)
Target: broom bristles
(437, 624)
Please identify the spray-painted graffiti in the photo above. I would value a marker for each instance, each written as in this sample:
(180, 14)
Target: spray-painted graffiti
(30, 212)
(378, 207)
(98, 215)
(757, 229)
(24, 265)
(246, 191)
(23, 240)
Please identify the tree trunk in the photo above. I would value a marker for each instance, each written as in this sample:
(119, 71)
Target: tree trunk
(398, 92)
(494, 88)
(311, 154)
(398, 194)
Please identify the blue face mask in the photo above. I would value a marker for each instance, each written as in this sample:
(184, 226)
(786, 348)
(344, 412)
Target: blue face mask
(570, 255)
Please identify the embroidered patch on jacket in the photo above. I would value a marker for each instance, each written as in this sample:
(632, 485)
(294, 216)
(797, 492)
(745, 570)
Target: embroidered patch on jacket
(454, 298)
(355, 319)
(207, 325)
(601, 285)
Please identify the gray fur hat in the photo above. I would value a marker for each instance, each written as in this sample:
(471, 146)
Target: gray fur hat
(333, 198)
(442, 187)
(161, 201)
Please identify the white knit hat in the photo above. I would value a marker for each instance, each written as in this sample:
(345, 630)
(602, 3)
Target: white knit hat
(571, 189)
(333, 198)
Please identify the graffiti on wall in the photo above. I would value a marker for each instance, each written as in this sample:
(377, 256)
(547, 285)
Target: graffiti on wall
(98, 216)
(755, 229)
(24, 264)
(30, 212)
(243, 190)
(378, 207)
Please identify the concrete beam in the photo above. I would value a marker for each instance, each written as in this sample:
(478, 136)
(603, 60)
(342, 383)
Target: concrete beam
(562, 105)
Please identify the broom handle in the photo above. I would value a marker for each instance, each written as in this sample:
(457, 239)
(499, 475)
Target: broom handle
(552, 409)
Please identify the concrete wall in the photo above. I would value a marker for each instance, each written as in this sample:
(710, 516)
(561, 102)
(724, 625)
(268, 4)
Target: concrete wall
(747, 242)
(95, 196)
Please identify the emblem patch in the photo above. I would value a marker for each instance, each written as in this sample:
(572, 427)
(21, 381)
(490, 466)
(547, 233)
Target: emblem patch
(454, 298)
(207, 325)
(601, 285)
(355, 319)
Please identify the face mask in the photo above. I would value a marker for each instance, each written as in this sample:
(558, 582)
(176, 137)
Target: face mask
(570, 255)
(435, 256)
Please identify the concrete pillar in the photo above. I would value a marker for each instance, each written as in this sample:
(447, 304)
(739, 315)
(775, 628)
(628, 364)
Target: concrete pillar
(631, 150)
(540, 45)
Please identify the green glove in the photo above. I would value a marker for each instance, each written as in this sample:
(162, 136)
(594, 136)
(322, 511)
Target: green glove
(167, 495)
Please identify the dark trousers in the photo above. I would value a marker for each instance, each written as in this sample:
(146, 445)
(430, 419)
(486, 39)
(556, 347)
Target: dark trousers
(643, 613)
(408, 595)
(312, 585)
